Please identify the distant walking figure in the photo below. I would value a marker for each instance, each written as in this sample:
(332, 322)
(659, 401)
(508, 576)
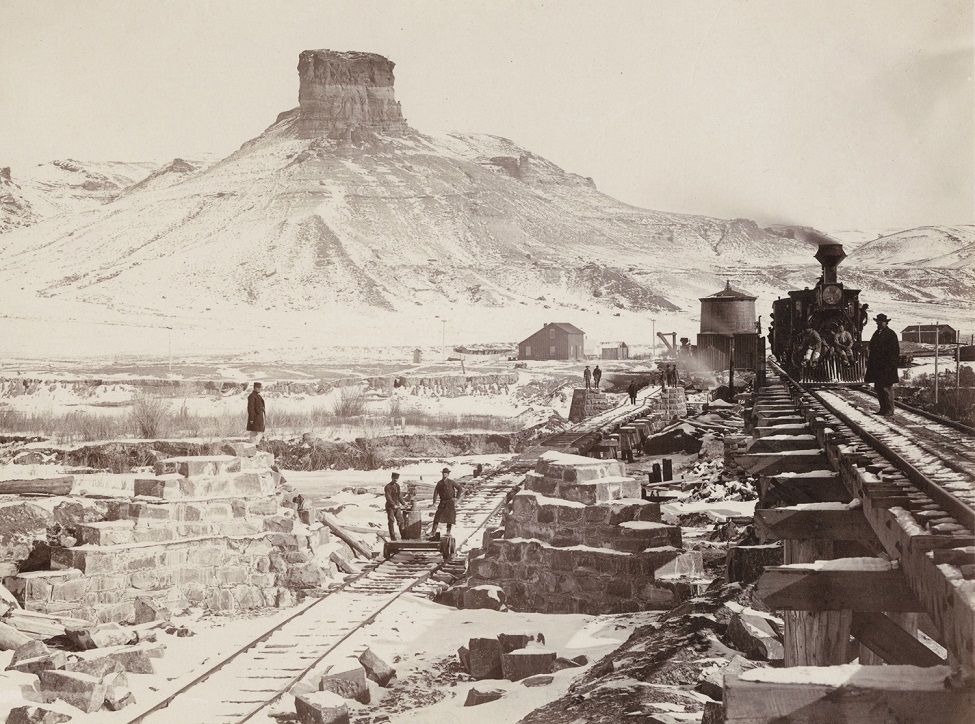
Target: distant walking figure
(448, 492)
(631, 389)
(597, 374)
(255, 414)
(587, 377)
(884, 353)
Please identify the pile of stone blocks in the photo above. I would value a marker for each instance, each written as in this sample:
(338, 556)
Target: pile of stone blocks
(341, 683)
(579, 539)
(515, 657)
(204, 530)
(589, 403)
(671, 403)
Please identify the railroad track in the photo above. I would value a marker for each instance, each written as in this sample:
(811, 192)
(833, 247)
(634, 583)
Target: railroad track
(245, 684)
(936, 455)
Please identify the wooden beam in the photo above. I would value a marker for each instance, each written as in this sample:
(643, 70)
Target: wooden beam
(890, 641)
(800, 523)
(789, 588)
(40, 486)
(910, 695)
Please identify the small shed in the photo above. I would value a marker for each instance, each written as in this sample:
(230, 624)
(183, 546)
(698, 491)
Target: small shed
(417, 356)
(614, 350)
(930, 334)
(556, 340)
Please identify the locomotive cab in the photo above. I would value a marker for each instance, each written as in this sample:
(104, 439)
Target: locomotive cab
(817, 333)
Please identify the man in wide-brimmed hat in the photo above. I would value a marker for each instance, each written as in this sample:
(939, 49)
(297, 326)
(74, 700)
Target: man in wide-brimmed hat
(448, 491)
(884, 354)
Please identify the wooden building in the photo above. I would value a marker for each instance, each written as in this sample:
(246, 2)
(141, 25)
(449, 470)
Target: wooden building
(929, 334)
(556, 340)
(728, 317)
(614, 350)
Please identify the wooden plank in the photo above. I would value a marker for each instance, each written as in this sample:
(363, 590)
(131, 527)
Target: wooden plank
(786, 588)
(942, 597)
(799, 523)
(40, 486)
(890, 641)
(333, 525)
(903, 701)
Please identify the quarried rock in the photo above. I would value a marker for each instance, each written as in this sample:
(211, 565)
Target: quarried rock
(486, 596)
(511, 642)
(539, 680)
(321, 707)
(485, 658)
(527, 662)
(747, 563)
(54, 660)
(711, 682)
(118, 695)
(347, 680)
(30, 650)
(476, 697)
(79, 690)
(147, 611)
(377, 669)
(754, 637)
(36, 715)
(463, 654)
(563, 663)
(99, 637)
(11, 639)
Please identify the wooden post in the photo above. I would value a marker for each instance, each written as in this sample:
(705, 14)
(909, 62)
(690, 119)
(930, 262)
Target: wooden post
(814, 638)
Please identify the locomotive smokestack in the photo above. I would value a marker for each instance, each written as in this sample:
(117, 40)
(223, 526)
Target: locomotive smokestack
(830, 256)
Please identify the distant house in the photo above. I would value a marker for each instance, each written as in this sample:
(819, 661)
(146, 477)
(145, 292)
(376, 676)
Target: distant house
(930, 334)
(614, 350)
(556, 340)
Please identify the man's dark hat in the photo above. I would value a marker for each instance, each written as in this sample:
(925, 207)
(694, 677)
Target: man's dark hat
(881, 318)
(395, 475)
(445, 470)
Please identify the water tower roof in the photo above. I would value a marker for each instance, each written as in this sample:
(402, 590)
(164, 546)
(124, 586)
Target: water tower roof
(730, 292)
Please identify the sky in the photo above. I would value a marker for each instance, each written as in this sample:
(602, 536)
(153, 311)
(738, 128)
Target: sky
(827, 113)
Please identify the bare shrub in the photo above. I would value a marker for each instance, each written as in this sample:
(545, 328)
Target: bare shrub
(150, 416)
(351, 403)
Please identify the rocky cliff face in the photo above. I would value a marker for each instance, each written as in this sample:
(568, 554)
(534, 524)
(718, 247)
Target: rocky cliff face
(344, 94)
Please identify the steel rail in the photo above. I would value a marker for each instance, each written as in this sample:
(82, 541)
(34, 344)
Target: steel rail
(954, 507)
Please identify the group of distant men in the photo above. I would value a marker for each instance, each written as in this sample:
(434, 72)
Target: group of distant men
(592, 377)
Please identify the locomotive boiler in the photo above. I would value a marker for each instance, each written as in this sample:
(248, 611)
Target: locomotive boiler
(817, 334)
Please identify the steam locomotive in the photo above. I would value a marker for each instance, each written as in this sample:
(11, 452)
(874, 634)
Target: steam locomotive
(817, 334)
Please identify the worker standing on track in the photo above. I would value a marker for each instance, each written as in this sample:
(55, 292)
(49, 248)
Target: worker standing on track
(597, 374)
(587, 377)
(394, 507)
(884, 354)
(448, 491)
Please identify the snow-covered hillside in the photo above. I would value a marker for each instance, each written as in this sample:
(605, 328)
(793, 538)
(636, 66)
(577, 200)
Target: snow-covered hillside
(943, 247)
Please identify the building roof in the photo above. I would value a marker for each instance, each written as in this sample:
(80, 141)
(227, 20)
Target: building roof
(563, 326)
(730, 292)
(927, 327)
(613, 344)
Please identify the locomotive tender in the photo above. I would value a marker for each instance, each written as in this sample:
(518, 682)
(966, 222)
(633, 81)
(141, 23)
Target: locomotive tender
(817, 334)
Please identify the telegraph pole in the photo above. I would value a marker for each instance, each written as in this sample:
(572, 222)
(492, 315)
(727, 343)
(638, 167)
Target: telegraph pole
(937, 339)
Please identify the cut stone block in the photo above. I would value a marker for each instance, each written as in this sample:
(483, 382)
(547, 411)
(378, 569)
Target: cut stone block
(79, 690)
(97, 637)
(538, 680)
(53, 660)
(476, 697)
(36, 715)
(347, 680)
(512, 642)
(463, 655)
(147, 610)
(377, 669)
(561, 663)
(526, 662)
(746, 563)
(486, 596)
(106, 533)
(199, 465)
(30, 650)
(754, 637)
(485, 658)
(711, 682)
(99, 667)
(321, 707)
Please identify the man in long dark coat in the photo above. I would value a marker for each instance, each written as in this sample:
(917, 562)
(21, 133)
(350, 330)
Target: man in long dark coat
(884, 353)
(587, 377)
(255, 414)
(448, 491)
(597, 374)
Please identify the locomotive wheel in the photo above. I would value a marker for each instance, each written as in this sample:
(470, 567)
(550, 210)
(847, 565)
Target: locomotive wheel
(447, 547)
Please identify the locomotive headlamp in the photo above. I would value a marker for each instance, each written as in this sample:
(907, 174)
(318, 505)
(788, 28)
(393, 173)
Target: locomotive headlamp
(832, 294)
